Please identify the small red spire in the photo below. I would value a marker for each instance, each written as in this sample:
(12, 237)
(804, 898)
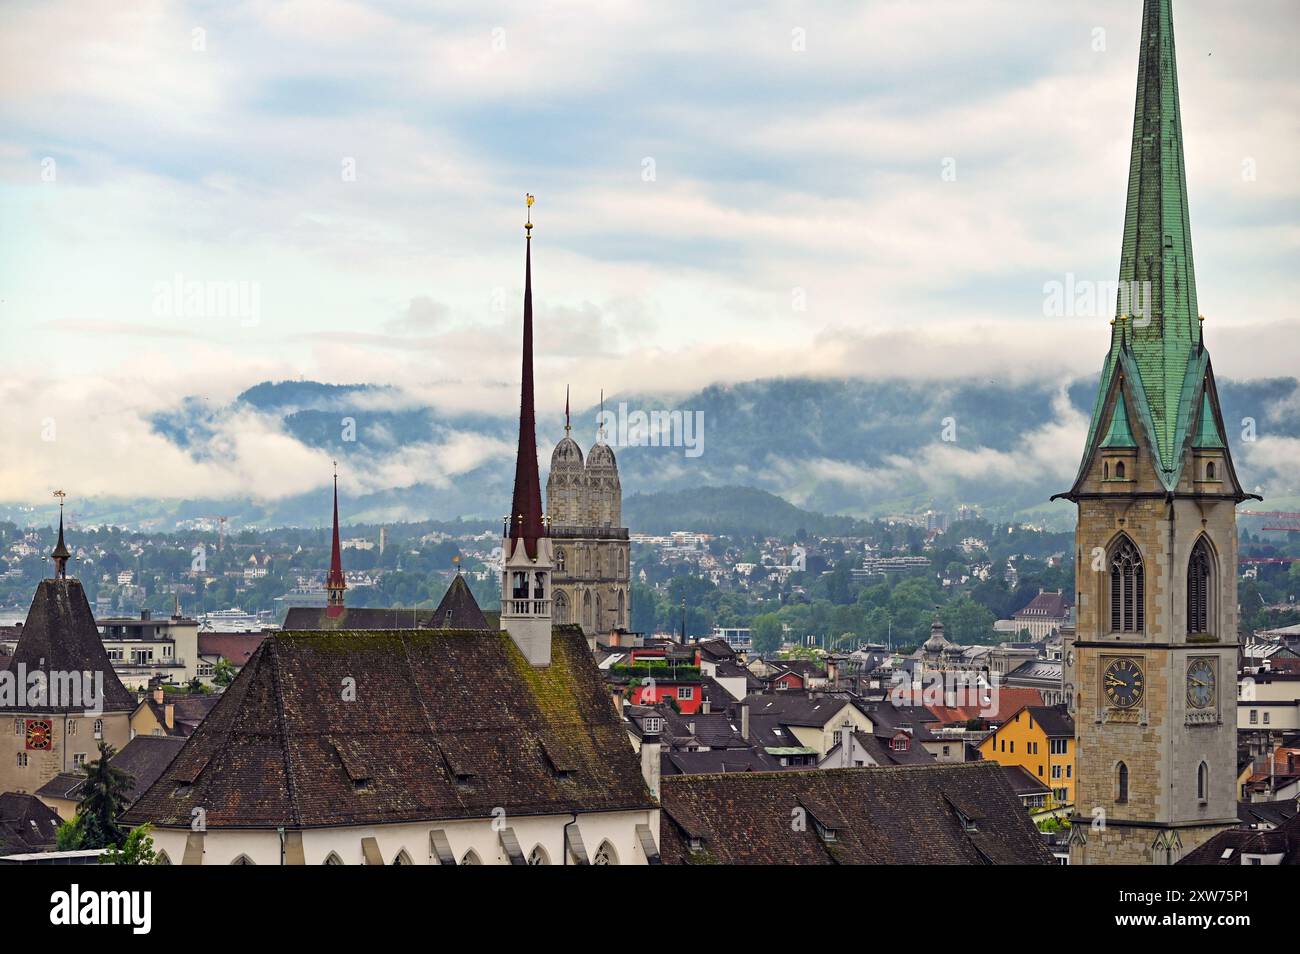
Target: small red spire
(335, 583)
(526, 510)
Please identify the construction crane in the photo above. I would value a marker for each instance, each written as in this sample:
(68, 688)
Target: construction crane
(1282, 520)
(221, 529)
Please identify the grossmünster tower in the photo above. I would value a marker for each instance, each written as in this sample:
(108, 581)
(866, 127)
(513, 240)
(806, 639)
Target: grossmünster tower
(1156, 543)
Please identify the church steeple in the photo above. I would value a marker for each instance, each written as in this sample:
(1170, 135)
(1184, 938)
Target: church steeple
(60, 554)
(525, 521)
(526, 545)
(1157, 351)
(335, 582)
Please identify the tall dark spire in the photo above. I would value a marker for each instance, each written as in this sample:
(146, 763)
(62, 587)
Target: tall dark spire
(526, 510)
(567, 423)
(336, 583)
(60, 555)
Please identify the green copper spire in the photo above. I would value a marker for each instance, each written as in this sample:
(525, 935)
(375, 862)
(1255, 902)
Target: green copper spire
(1207, 434)
(1157, 281)
(1156, 311)
(1120, 434)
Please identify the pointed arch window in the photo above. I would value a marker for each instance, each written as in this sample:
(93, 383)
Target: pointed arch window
(1198, 588)
(1210, 472)
(538, 856)
(1121, 783)
(333, 859)
(1203, 782)
(1127, 589)
(605, 855)
(1119, 470)
(559, 560)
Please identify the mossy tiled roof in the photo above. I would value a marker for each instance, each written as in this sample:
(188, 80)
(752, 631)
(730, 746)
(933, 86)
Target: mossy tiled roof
(443, 724)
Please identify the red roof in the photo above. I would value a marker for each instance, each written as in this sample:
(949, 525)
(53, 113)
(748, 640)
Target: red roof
(1001, 705)
(1045, 606)
(237, 647)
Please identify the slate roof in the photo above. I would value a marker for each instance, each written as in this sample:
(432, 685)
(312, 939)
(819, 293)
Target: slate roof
(444, 724)
(1045, 605)
(796, 708)
(1227, 847)
(60, 636)
(26, 824)
(144, 758)
(717, 761)
(921, 814)
(1270, 813)
(877, 744)
(458, 608)
(1055, 721)
(1023, 782)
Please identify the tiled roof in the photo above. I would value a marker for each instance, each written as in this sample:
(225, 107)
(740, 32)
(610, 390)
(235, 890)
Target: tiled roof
(238, 648)
(1023, 782)
(26, 824)
(923, 814)
(442, 724)
(144, 758)
(716, 762)
(317, 618)
(458, 608)
(60, 636)
(1227, 847)
(1055, 721)
(1045, 606)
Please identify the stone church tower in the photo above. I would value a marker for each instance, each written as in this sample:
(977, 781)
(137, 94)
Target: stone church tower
(1156, 545)
(592, 553)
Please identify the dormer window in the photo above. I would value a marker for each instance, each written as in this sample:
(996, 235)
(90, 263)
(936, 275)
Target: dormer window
(654, 725)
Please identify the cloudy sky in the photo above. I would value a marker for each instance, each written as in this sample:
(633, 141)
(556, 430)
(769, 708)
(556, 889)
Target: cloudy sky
(725, 191)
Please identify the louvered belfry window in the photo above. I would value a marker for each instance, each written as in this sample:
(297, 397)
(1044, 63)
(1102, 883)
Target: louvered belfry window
(1198, 589)
(1127, 589)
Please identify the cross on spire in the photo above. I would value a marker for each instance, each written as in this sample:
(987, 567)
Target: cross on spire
(60, 555)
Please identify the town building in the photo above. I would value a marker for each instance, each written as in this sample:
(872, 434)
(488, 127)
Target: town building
(81, 701)
(1040, 739)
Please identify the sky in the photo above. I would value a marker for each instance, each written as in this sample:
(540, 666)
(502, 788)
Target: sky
(196, 197)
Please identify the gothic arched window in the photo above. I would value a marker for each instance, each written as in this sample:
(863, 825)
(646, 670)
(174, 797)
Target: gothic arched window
(1209, 471)
(1119, 470)
(1198, 588)
(1203, 782)
(538, 856)
(1127, 589)
(1121, 783)
(605, 855)
(559, 561)
(561, 607)
(333, 859)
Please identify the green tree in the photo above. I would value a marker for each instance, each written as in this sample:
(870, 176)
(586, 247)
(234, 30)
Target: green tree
(104, 798)
(223, 672)
(765, 630)
(69, 835)
(137, 849)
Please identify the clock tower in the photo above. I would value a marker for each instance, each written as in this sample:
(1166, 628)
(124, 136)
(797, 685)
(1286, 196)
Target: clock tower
(1156, 542)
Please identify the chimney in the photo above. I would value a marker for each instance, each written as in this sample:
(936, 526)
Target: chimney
(744, 721)
(169, 715)
(158, 694)
(706, 707)
(650, 761)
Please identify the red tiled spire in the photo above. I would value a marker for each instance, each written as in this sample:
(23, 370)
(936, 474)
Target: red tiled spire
(335, 583)
(526, 509)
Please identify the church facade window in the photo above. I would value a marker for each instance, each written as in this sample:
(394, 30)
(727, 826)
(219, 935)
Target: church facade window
(1199, 576)
(1127, 588)
(1121, 783)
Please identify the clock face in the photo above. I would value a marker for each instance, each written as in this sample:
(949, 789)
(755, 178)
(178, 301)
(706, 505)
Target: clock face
(1124, 683)
(1200, 683)
(38, 734)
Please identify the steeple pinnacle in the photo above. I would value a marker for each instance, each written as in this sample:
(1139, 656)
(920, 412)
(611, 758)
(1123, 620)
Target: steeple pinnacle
(1156, 278)
(525, 521)
(60, 555)
(567, 423)
(335, 582)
